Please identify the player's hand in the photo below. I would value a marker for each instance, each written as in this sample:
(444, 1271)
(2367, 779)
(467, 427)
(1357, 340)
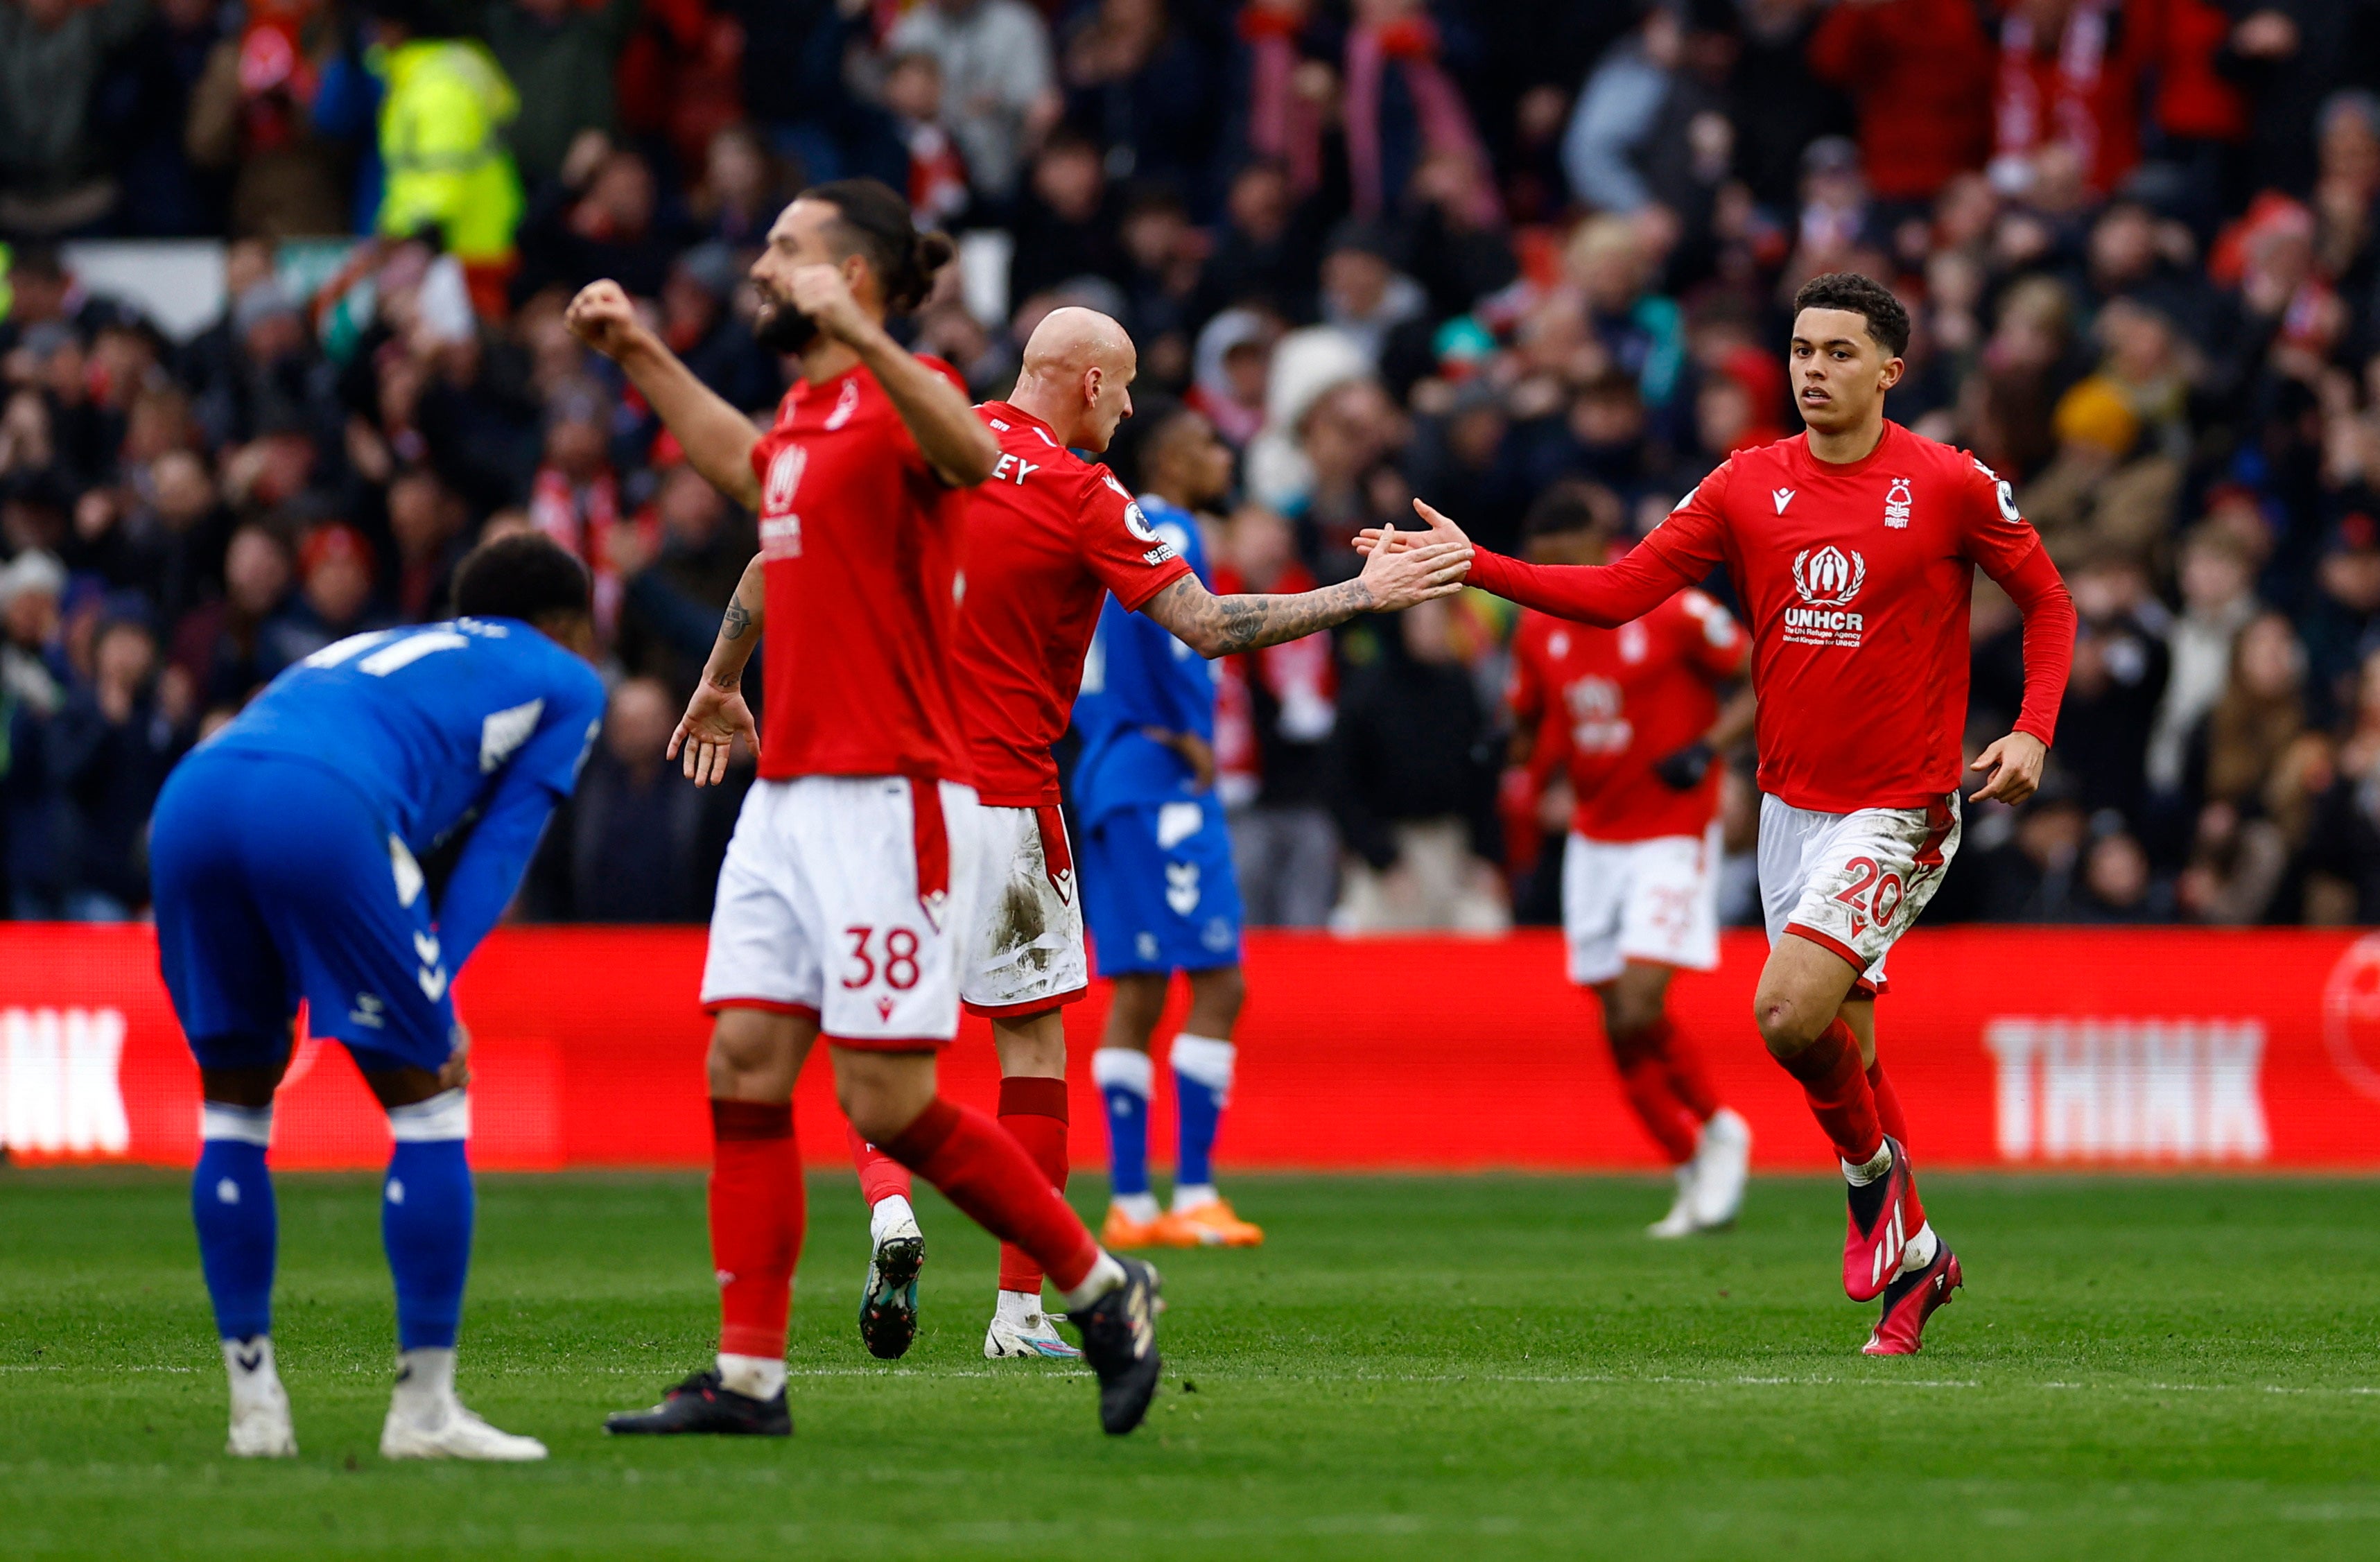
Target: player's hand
(714, 719)
(1441, 530)
(456, 1072)
(1684, 770)
(1398, 574)
(2015, 764)
(1195, 751)
(605, 318)
(820, 292)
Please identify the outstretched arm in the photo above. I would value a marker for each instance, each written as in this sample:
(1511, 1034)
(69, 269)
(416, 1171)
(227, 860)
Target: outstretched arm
(1605, 595)
(1394, 577)
(717, 438)
(717, 715)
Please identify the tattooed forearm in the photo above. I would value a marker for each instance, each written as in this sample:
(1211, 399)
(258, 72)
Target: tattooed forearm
(738, 620)
(1217, 626)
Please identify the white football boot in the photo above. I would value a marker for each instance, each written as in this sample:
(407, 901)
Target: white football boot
(1019, 1328)
(426, 1421)
(1679, 1221)
(259, 1406)
(1722, 1164)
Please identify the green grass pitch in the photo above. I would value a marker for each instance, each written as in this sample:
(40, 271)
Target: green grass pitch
(1490, 1367)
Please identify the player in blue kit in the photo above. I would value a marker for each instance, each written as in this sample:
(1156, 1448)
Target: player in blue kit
(293, 857)
(1158, 891)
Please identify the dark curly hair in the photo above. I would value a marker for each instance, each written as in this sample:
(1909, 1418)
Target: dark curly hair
(525, 576)
(1888, 322)
(873, 220)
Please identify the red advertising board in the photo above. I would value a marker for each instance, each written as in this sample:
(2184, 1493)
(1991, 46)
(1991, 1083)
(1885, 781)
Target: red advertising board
(2010, 1047)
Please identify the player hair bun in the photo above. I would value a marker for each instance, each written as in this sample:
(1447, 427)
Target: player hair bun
(877, 222)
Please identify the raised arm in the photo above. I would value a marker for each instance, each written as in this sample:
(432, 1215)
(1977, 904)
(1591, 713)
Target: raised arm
(938, 414)
(1394, 577)
(717, 438)
(717, 714)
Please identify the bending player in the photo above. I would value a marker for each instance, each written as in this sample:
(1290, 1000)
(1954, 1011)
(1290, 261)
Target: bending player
(1633, 713)
(1049, 537)
(847, 895)
(1854, 547)
(286, 856)
(1158, 883)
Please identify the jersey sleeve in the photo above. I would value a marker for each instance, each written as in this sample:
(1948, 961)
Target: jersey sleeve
(2002, 543)
(1692, 538)
(1118, 544)
(1714, 642)
(540, 774)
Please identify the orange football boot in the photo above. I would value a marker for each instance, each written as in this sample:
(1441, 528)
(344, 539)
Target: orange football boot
(1121, 1232)
(1209, 1224)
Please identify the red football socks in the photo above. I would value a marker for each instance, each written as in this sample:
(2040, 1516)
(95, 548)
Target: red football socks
(1034, 1112)
(1888, 1104)
(980, 1167)
(757, 1206)
(1645, 1075)
(1687, 1080)
(1837, 1086)
(880, 1176)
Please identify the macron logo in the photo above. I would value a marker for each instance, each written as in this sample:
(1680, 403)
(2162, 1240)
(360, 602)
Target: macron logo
(1783, 496)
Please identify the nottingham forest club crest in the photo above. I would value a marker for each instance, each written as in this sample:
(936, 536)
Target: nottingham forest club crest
(1829, 579)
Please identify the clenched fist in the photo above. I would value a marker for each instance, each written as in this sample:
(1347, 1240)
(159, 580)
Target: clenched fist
(605, 318)
(820, 292)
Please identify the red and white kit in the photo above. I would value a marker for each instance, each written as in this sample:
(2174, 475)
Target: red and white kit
(1640, 877)
(1049, 534)
(851, 884)
(1857, 579)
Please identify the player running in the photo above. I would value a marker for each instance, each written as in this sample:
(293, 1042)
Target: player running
(1049, 537)
(287, 854)
(1633, 714)
(1853, 547)
(1158, 883)
(845, 900)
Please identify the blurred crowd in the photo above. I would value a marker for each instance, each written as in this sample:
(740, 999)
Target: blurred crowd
(1470, 251)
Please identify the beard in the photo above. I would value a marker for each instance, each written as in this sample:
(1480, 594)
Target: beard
(782, 328)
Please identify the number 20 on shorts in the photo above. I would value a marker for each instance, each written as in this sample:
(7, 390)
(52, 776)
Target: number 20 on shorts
(1873, 894)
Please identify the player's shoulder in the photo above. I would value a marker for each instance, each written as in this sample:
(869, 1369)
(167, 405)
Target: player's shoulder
(1937, 459)
(559, 670)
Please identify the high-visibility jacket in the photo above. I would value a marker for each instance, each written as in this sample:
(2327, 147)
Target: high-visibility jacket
(441, 145)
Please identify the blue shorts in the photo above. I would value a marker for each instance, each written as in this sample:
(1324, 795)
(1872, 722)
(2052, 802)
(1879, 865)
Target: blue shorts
(276, 881)
(1158, 890)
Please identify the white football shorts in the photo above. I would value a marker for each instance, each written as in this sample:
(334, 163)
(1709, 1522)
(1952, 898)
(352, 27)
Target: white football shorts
(1027, 954)
(1654, 900)
(851, 898)
(1853, 882)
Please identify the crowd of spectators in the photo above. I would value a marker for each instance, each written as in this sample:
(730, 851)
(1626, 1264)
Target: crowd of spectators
(1388, 248)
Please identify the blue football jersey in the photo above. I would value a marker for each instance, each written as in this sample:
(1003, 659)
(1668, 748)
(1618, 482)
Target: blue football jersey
(430, 723)
(1139, 675)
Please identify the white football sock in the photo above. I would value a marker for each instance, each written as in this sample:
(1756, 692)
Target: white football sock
(1861, 1176)
(1105, 1275)
(1136, 1206)
(754, 1378)
(425, 1381)
(1921, 1250)
(250, 1366)
(1017, 1306)
(888, 1213)
(1189, 1196)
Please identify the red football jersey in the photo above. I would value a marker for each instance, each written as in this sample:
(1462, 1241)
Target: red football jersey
(1613, 702)
(1857, 579)
(1049, 537)
(863, 544)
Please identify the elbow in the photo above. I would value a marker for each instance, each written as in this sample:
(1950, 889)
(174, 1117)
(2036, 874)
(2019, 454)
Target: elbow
(975, 461)
(1208, 642)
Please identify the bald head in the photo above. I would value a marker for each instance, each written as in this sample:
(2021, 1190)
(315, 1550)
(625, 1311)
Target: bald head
(1077, 376)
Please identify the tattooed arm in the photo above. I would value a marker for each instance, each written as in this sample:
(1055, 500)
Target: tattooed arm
(1393, 578)
(717, 715)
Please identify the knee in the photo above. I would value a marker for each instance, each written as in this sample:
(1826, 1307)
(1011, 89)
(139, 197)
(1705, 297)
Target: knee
(1787, 1028)
(1215, 997)
(745, 1057)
